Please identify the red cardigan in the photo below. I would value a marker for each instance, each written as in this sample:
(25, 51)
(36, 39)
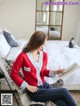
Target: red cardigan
(30, 76)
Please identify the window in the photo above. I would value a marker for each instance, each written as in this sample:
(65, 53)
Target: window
(49, 18)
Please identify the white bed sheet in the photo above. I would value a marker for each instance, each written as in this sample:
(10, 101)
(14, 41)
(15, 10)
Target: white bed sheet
(61, 56)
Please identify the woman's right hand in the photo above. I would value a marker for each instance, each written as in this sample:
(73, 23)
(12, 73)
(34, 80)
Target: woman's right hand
(32, 88)
(59, 71)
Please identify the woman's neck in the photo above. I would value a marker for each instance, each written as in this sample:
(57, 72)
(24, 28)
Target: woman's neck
(35, 52)
(35, 55)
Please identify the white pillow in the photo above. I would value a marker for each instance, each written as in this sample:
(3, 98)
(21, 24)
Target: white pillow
(4, 46)
(22, 42)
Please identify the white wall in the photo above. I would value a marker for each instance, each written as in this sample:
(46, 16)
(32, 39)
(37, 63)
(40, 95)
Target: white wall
(78, 30)
(70, 22)
(18, 16)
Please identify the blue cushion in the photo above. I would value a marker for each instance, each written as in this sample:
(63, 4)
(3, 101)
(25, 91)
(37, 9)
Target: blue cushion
(9, 39)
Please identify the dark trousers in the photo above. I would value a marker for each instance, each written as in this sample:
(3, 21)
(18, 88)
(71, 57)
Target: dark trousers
(60, 96)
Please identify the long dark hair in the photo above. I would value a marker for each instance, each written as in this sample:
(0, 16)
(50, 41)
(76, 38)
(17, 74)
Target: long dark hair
(37, 39)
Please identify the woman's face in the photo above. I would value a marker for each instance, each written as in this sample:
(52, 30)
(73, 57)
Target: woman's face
(42, 46)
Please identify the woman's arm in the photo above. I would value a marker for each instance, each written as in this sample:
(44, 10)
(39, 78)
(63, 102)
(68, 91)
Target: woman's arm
(15, 70)
(50, 73)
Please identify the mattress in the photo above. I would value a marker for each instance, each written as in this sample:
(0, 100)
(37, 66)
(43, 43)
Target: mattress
(60, 56)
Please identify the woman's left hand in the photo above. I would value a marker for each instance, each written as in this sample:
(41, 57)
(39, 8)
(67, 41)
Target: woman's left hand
(59, 71)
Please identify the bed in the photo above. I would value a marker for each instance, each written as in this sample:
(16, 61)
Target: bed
(59, 56)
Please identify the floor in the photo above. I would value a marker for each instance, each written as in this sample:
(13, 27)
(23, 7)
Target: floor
(3, 86)
(76, 96)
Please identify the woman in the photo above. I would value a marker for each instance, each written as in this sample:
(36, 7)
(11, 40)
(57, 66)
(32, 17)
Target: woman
(33, 62)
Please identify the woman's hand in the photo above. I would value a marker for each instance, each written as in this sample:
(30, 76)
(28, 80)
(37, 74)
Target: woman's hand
(59, 71)
(32, 88)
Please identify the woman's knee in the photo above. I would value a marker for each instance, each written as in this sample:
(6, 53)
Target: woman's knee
(65, 90)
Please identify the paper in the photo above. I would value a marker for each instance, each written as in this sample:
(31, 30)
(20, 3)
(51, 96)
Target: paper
(69, 70)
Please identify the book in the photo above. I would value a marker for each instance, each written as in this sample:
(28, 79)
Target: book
(69, 70)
